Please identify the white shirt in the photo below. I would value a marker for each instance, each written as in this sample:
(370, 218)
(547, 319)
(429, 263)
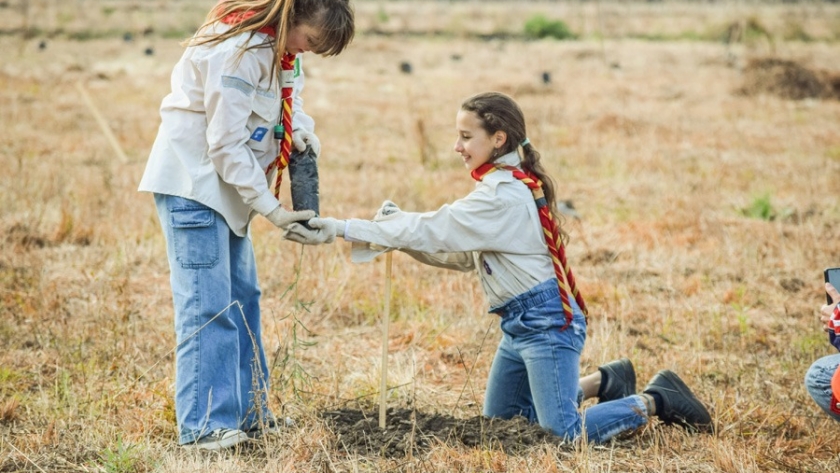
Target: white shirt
(216, 136)
(495, 230)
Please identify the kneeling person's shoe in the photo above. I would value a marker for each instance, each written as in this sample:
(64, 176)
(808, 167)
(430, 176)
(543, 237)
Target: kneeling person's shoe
(618, 380)
(219, 439)
(679, 405)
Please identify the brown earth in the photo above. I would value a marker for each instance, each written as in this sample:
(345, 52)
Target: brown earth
(408, 432)
(789, 79)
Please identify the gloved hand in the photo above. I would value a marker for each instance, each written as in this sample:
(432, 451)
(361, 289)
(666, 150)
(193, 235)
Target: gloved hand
(301, 138)
(387, 208)
(282, 218)
(324, 230)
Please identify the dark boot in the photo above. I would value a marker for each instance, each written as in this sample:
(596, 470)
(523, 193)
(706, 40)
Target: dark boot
(679, 405)
(618, 380)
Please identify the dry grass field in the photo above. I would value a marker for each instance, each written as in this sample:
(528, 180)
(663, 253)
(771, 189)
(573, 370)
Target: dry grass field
(708, 211)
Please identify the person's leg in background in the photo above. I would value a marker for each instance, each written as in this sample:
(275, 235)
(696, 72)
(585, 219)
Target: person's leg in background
(818, 383)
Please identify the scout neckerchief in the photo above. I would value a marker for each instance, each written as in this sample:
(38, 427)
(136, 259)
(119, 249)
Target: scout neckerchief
(283, 130)
(551, 231)
(236, 17)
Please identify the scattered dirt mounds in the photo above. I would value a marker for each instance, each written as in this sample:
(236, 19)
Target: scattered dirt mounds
(413, 431)
(789, 79)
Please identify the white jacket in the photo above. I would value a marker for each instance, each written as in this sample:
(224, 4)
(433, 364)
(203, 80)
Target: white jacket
(495, 229)
(216, 136)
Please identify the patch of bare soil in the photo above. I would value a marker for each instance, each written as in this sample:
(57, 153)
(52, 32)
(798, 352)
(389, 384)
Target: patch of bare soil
(413, 431)
(789, 79)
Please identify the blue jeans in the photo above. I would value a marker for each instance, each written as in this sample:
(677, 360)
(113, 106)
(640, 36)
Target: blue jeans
(818, 382)
(536, 369)
(221, 375)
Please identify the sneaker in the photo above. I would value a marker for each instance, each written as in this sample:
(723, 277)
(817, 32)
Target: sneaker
(679, 405)
(219, 439)
(270, 427)
(618, 380)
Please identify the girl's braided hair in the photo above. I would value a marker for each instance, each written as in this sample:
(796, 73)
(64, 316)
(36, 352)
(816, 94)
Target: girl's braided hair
(498, 112)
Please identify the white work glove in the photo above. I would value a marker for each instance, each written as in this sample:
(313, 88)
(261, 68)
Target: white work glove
(282, 218)
(301, 138)
(324, 230)
(387, 208)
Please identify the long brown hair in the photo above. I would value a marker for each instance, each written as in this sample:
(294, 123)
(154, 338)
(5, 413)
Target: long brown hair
(498, 112)
(333, 19)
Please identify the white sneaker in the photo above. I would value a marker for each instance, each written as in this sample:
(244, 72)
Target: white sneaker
(219, 439)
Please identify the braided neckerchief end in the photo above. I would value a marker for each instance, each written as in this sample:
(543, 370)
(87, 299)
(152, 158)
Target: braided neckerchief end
(283, 132)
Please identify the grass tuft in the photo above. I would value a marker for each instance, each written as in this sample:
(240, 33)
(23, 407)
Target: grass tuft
(761, 208)
(539, 27)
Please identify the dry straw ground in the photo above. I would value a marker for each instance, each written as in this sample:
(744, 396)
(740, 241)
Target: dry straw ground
(708, 215)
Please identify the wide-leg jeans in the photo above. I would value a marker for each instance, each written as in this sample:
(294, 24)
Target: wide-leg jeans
(536, 369)
(221, 378)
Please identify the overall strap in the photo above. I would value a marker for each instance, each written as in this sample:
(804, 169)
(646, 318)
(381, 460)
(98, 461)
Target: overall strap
(551, 231)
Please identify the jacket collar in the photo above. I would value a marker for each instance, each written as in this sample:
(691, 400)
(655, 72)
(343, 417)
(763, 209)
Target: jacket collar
(510, 159)
(485, 173)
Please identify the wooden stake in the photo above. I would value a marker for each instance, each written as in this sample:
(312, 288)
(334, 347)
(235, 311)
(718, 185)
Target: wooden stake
(106, 130)
(386, 316)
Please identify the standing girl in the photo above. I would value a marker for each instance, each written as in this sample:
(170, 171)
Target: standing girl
(209, 170)
(506, 230)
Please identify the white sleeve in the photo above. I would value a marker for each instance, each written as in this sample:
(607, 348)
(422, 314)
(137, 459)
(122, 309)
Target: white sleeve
(300, 120)
(462, 261)
(478, 222)
(229, 90)
(364, 252)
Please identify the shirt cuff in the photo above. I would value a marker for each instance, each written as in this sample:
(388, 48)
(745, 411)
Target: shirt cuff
(347, 236)
(265, 204)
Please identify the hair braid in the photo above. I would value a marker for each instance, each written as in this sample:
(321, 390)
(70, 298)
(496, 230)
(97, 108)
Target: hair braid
(498, 112)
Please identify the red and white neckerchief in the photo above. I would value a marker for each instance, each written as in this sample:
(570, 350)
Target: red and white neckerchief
(551, 231)
(283, 130)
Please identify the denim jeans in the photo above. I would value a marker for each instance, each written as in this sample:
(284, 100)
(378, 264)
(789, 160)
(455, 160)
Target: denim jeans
(536, 369)
(221, 376)
(818, 382)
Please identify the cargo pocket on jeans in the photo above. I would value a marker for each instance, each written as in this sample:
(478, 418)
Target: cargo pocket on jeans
(196, 240)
